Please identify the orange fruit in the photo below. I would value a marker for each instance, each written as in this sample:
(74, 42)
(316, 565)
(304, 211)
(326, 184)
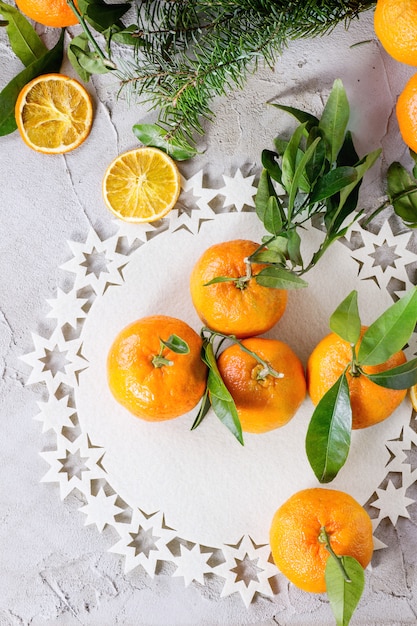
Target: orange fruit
(54, 114)
(295, 530)
(141, 185)
(395, 24)
(238, 307)
(55, 13)
(148, 388)
(263, 402)
(406, 111)
(370, 402)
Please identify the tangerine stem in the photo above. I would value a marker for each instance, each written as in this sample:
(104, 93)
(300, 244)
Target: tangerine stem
(324, 538)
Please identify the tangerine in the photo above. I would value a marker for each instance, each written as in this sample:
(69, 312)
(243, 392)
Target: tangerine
(238, 305)
(55, 13)
(370, 402)
(296, 532)
(395, 24)
(150, 380)
(263, 401)
(406, 111)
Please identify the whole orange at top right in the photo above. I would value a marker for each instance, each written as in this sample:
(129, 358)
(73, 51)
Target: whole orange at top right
(370, 402)
(236, 304)
(395, 24)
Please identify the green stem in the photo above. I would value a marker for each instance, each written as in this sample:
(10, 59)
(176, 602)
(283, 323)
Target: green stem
(267, 369)
(354, 366)
(324, 538)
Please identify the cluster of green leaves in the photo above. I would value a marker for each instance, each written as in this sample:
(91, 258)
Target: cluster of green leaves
(37, 59)
(329, 433)
(320, 174)
(216, 394)
(173, 343)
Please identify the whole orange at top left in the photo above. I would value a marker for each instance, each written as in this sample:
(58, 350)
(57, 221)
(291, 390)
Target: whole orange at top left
(54, 13)
(150, 380)
(238, 306)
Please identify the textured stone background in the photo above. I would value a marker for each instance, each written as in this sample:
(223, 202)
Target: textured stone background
(54, 569)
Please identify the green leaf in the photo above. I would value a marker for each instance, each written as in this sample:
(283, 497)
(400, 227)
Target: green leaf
(24, 40)
(79, 45)
(227, 414)
(402, 192)
(272, 217)
(335, 118)
(269, 162)
(279, 278)
(401, 377)
(176, 344)
(220, 279)
(344, 596)
(203, 410)
(300, 173)
(345, 321)
(289, 158)
(264, 192)
(347, 154)
(90, 61)
(49, 62)
(332, 182)
(156, 136)
(316, 164)
(329, 432)
(125, 36)
(303, 117)
(390, 332)
(294, 247)
(105, 15)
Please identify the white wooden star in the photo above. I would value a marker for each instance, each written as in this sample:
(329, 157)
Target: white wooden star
(144, 541)
(246, 570)
(100, 509)
(67, 308)
(55, 414)
(392, 502)
(192, 564)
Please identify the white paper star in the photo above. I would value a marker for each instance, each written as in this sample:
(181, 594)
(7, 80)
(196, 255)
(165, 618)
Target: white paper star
(190, 213)
(74, 464)
(392, 502)
(55, 414)
(100, 509)
(192, 564)
(246, 558)
(96, 263)
(144, 541)
(238, 190)
(132, 232)
(384, 256)
(66, 308)
(55, 361)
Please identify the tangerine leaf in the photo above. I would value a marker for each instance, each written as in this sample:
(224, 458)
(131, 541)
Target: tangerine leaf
(50, 62)
(272, 216)
(302, 116)
(271, 165)
(345, 321)
(344, 596)
(390, 332)
(176, 344)
(203, 410)
(289, 158)
(227, 414)
(402, 192)
(335, 118)
(333, 182)
(329, 432)
(157, 137)
(24, 40)
(279, 278)
(79, 45)
(401, 377)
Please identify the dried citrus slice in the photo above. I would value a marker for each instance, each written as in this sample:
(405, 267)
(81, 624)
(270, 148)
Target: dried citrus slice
(413, 396)
(54, 113)
(141, 185)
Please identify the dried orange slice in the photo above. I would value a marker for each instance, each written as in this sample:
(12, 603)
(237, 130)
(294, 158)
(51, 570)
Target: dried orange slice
(141, 185)
(54, 113)
(413, 396)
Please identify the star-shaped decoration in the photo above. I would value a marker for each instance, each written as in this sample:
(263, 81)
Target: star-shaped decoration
(142, 232)
(101, 509)
(144, 541)
(55, 361)
(74, 464)
(247, 570)
(192, 208)
(401, 461)
(378, 544)
(55, 414)
(384, 256)
(96, 263)
(392, 502)
(192, 564)
(238, 190)
(67, 308)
